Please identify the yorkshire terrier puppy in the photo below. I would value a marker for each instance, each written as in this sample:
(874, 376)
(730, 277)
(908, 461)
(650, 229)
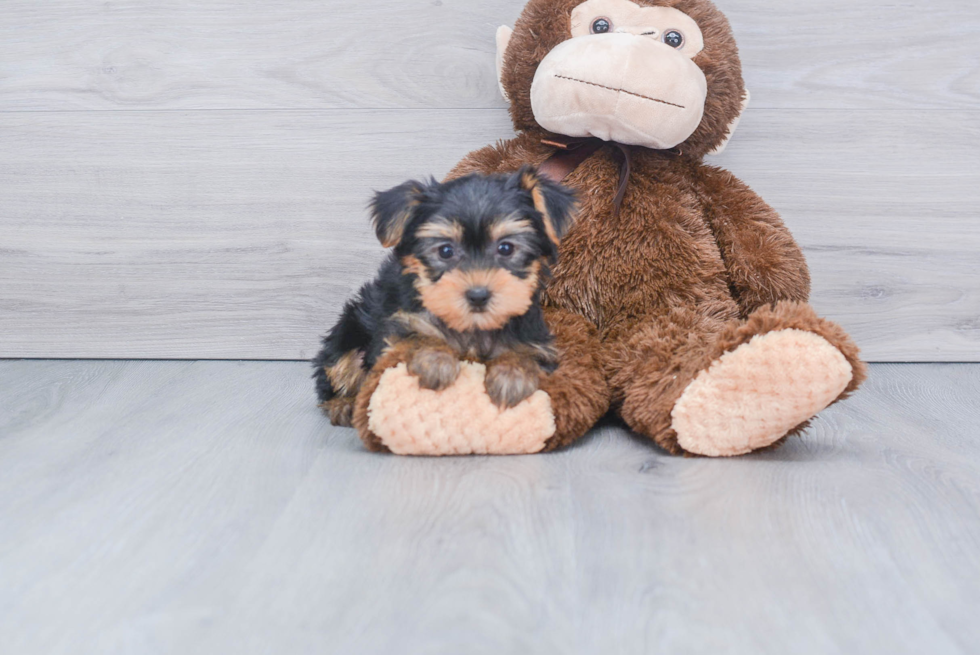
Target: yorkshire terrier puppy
(470, 260)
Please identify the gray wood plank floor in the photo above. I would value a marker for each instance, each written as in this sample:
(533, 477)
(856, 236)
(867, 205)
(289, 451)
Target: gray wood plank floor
(189, 507)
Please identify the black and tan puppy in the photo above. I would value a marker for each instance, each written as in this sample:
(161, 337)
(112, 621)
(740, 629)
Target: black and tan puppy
(464, 281)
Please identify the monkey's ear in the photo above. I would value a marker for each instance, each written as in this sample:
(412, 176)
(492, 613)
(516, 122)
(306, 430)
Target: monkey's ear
(503, 40)
(556, 203)
(392, 209)
(734, 124)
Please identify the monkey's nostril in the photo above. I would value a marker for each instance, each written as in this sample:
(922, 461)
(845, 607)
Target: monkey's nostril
(478, 297)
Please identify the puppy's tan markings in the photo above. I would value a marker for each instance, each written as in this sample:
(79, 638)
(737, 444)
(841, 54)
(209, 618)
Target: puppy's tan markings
(530, 182)
(510, 380)
(419, 324)
(411, 265)
(446, 299)
(340, 410)
(540, 353)
(347, 375)
(394, 232)
(441, 229)
(435, 368)
(510, 226)
(510, 297)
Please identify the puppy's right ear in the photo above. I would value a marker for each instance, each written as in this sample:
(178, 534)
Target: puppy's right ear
(391, 211)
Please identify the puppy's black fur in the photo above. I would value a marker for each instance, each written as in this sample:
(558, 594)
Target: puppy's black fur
(470, 259)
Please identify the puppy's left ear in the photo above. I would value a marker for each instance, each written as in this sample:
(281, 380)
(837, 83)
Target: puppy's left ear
(391, 211)
(556, 203)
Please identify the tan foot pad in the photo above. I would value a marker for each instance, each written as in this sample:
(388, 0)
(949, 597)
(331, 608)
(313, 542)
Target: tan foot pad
(754, 395)
(460, 420)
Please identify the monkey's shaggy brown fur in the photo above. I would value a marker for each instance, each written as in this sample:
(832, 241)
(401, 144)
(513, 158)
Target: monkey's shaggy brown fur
(694, 265)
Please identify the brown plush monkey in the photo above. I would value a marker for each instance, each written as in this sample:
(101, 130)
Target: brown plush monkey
(680, 299)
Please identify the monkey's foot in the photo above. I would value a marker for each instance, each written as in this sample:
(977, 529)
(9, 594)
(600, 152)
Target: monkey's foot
(753, 396)
(459, 420)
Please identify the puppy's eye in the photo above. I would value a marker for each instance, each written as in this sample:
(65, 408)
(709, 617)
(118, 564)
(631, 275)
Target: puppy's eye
(673, 38)
(506, 249)
(601, 26)
(446, 251)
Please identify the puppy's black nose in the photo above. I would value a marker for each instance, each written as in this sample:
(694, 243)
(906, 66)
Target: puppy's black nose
(478, 297)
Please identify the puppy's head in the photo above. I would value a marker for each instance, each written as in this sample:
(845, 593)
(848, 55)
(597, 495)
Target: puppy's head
(478, 247)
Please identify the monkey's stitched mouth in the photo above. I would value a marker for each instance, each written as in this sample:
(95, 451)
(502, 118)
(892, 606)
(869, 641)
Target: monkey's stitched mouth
(609, 88)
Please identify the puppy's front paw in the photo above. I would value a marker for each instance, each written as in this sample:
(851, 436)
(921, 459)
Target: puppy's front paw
(508, 383)
(435, 369)
(340, 410)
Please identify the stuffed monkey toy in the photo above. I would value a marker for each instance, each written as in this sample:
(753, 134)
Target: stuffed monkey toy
(679, 300)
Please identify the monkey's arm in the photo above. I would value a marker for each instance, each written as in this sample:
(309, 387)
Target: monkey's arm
(763, 260)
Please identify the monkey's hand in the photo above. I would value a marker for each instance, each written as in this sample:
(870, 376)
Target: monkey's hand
(512, 379)
(436, 368)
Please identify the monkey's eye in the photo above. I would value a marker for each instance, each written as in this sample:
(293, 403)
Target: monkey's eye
(446, 251)
(673, 38)
(601, 26)
(505, 249)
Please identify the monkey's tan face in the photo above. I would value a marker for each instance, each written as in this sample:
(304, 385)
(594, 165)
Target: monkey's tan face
(626, 75)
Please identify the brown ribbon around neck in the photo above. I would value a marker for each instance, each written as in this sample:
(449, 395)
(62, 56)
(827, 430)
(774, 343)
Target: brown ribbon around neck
(624, 177)
(571, 153)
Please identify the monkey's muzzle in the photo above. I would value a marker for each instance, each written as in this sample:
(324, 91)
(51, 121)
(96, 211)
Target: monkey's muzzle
(628, 88)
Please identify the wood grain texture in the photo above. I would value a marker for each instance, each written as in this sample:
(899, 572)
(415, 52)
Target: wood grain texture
(239, 234)
(187, 180)
(181, 54)
(209, 508)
